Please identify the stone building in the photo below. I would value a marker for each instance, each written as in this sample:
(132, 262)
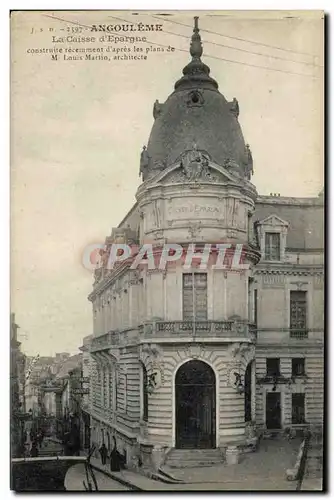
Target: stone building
(196, 357)
(17, 387)
(85, 424)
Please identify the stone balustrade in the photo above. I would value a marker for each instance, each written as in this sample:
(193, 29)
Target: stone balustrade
(210, 329)
(158, 329)
(105, 341)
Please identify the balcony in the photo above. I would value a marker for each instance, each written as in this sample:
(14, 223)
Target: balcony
(290, 336)
(105, 341)
(299, 334)
(229, 331)
(199, 329)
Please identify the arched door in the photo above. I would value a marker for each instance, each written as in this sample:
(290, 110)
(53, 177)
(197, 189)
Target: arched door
(195, 404)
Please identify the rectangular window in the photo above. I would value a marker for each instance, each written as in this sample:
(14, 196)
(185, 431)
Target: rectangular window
(195, 296)
(255, 307)
(298, 310)
(272, 246)
(298, 367)
(298, 408)
(273, 367)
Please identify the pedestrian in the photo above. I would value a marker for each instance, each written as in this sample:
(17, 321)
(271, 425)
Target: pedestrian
(34, 449)
(114, 458)
(104, 454)
(40, 439)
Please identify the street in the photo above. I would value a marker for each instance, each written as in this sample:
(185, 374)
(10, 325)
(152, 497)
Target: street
(50, 448)
(76, 475)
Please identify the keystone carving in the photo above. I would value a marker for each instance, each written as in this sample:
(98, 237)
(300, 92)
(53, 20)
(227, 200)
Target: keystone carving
(195, 351)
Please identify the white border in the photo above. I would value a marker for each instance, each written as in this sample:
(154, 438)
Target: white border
(327, 5)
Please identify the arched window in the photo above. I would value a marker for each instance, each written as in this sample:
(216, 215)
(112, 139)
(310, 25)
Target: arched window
(145, 393)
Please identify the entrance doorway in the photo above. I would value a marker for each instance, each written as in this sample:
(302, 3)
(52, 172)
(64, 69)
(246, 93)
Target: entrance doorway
(273, 410)
(195, 403)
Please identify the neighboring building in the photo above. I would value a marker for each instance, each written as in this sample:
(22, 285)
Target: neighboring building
(17, 387)
(38, 370)
(85, 397)
(189, 358)
(68, 402)
(40, 376)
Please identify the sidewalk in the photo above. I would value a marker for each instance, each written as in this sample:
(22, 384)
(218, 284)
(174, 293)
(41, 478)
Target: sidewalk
(260, 471)
(311, 484)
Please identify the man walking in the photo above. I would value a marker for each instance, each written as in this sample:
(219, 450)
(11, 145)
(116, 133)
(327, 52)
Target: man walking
(104, 454)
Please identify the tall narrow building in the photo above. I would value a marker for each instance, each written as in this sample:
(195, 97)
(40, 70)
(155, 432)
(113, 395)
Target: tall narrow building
(194, 356)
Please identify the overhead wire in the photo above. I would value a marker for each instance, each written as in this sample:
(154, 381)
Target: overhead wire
(222, 58)
(238, 38)
(270, 56)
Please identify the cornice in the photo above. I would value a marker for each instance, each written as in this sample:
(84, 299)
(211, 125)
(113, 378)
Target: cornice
(312, 270)
(287, 200)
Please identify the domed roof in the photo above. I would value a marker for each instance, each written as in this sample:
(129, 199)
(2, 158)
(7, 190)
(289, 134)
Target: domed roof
(196, 113)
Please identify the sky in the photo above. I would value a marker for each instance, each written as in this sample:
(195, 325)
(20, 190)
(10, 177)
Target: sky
(78, 127)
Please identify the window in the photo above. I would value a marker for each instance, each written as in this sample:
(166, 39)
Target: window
(145, 394)
(195, 296)
(298, 310)
(298, 408)
(255, 307)
(273, 367)
(272, 246)
(298, 367)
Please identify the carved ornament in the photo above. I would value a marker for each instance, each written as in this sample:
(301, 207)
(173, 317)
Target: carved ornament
(195, 351)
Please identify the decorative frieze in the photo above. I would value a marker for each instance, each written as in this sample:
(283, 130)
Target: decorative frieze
(273, 280)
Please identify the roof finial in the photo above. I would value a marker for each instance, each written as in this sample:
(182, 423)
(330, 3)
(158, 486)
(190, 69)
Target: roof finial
(196, 45)
(196, 73)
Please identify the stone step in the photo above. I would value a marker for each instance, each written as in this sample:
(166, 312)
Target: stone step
(193, 458)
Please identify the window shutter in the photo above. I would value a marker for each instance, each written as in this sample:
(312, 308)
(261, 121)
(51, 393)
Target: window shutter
(201, 308)
(188, 311)
(195, 294)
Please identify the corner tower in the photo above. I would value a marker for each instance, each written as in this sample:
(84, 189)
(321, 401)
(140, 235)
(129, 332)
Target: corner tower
(196, 189)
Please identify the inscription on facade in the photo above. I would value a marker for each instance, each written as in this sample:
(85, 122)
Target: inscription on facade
(197, 209)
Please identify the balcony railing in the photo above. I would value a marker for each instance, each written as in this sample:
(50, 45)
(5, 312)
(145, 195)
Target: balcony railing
(299, 334)
(177, 329)
(105, 341)
(213, 329)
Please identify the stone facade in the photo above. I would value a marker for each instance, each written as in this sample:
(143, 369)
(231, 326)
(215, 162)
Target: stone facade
(143, 337)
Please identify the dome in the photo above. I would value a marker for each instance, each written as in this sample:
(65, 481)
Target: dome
(196, 113)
